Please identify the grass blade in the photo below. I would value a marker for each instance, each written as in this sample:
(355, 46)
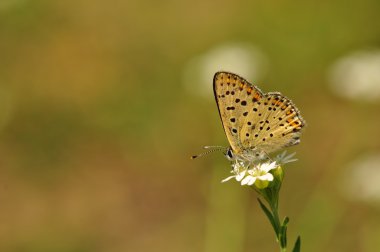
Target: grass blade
(297, 245)
(270, 217)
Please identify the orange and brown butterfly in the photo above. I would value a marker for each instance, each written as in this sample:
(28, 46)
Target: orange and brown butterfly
(255, 123)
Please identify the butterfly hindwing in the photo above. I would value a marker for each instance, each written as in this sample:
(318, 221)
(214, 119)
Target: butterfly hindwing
(278, 124)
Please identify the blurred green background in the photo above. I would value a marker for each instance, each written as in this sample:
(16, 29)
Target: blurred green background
(98, 124)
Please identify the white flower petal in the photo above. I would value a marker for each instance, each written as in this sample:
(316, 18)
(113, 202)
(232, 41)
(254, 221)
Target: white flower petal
(267, 167)
(248, 180)
(268, 177)
(245, 181)
(238, 165)
(273, 165)
(290, 160)
(251, 181)
(235, 167)
(240, 176)
(251, 172)
(282, 155)
(228, 178)
(290, 155)
(284, 159)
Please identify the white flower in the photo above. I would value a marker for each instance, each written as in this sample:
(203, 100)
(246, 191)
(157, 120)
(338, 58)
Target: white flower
(259, 172)
(361, 179)
(239, 169)
(239, 57)
(356, 76)
(248, 175)
(284, 159)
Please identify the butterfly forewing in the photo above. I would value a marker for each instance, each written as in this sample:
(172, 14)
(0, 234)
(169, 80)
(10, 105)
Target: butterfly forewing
(234, 96)
(253, 120)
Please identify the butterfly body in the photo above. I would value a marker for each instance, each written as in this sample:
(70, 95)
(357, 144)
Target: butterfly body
(255, 123)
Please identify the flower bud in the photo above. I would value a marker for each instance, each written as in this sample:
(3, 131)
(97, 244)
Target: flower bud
(278, 174)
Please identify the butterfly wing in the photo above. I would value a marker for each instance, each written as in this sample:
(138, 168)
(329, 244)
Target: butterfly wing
(235, 99)
(253, 120)
(277, 123)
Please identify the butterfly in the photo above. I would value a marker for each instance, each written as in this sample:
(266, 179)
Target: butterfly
(256, 123)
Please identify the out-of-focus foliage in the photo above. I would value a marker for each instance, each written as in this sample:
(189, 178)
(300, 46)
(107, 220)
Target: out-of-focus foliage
(97, 125)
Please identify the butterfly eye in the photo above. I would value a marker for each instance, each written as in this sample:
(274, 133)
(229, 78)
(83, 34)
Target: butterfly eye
(229, 154)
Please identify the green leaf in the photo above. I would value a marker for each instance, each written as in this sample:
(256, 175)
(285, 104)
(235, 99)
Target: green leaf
(270, 217)
(297, 245)
(286, 221)
(283, 236)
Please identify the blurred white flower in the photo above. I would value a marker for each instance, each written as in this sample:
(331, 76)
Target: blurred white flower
(361, 181)
(241, 58)
(357, 76)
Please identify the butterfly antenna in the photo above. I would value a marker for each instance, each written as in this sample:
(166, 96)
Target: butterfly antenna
(211, 150)
(214, 147)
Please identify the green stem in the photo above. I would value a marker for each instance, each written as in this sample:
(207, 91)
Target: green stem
(271, 197)
(276, 218)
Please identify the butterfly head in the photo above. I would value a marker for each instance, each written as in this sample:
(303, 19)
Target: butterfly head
(251, 155)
